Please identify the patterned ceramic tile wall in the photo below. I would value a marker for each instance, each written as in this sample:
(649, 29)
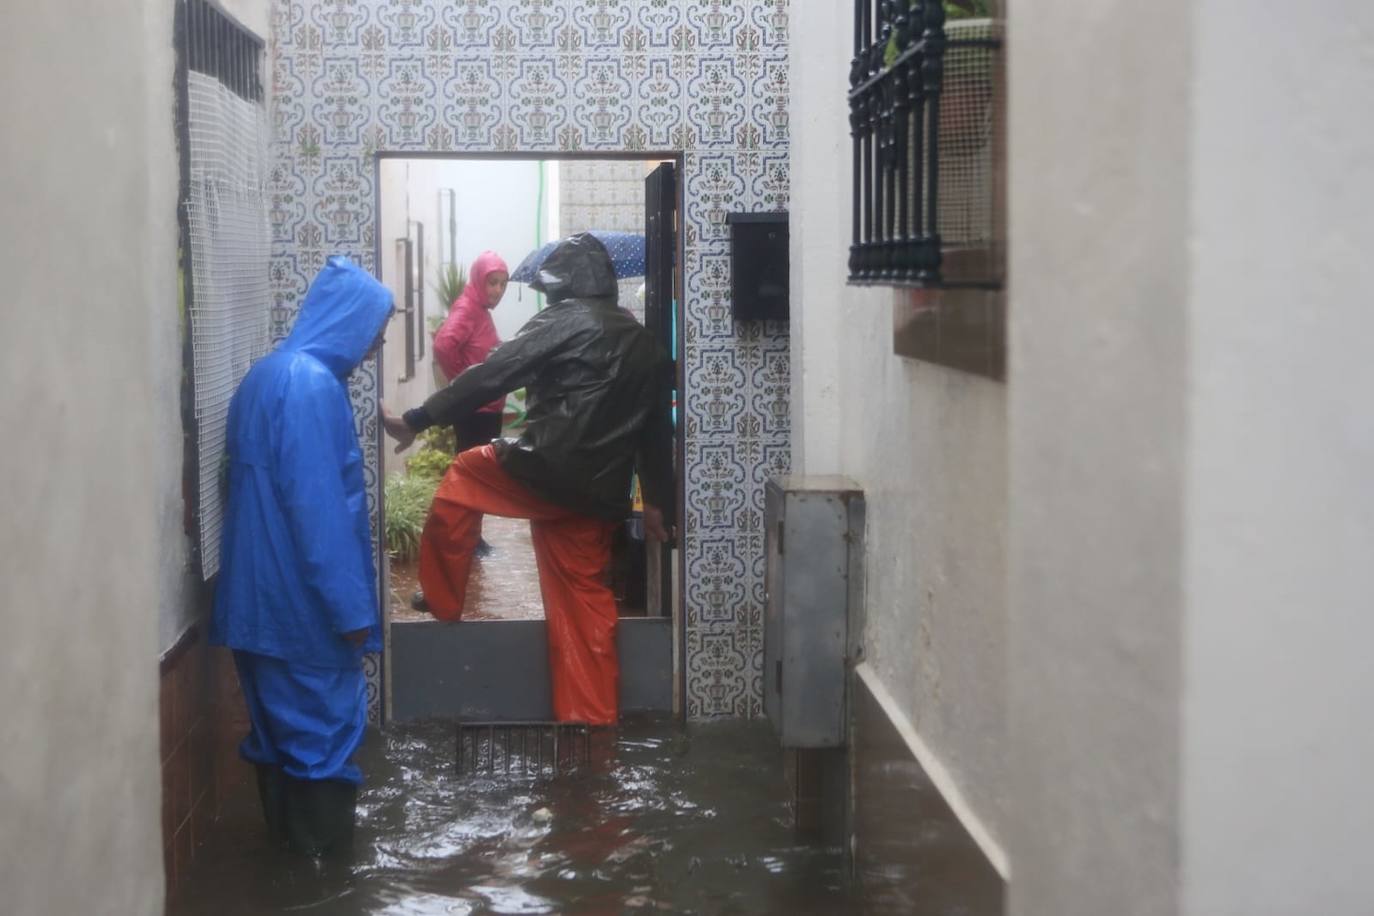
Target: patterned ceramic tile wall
(704, 77)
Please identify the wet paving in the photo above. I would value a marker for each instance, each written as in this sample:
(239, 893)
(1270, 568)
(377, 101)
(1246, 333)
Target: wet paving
(663, 818)
(504, 584)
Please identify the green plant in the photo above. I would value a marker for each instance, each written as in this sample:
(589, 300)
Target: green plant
(429, 462)
(954, 9)
(408, 498)
(513, 417)
(968, 9)
(439, 438)
(453, 279)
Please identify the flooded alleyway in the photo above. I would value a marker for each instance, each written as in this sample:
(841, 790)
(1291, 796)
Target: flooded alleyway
(662, 819)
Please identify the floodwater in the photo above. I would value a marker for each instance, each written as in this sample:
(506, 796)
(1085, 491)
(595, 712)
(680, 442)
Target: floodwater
(662, 819)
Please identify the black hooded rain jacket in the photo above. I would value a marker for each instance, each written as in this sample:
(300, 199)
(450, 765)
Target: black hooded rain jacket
(596, 390)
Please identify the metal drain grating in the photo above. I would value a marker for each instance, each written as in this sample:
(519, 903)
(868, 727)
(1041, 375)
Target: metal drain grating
(523, 748)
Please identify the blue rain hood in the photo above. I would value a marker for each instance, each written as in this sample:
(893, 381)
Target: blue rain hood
(343, 312)
(297, 564)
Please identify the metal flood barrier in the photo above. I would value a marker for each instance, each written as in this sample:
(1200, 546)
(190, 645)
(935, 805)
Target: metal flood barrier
(523, 749)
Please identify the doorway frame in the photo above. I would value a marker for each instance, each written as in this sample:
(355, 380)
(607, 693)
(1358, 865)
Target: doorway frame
(679, 590)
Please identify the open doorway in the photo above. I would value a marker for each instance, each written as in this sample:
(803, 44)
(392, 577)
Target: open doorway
(435, 214)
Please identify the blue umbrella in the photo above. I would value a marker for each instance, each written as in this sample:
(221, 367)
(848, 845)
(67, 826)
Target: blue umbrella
(626, 249)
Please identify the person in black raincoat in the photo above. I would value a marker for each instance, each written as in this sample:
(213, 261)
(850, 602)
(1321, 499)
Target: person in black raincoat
(597, 411)
(296, 598)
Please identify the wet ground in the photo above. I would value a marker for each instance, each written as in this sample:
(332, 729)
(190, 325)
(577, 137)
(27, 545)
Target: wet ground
(504, 584)
(662, 819)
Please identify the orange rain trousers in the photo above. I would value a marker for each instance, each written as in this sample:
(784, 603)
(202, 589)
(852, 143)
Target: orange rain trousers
(572, 553)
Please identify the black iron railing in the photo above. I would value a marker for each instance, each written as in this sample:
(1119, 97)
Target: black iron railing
(899, 78)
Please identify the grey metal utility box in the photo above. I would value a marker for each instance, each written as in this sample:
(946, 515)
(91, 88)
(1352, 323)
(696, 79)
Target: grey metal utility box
(814, 536)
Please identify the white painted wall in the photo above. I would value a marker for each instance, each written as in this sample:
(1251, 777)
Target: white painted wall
(498, 209)
(1279, 684)
(926, 443)
(1191, 513)
(86, 346)
(1099, 266)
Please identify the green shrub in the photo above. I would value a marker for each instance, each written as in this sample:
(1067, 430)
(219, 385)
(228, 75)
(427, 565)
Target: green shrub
(967, 9)
(513, 418)
(407, 498)
(429, 462)
(452, 279)
(439, 438)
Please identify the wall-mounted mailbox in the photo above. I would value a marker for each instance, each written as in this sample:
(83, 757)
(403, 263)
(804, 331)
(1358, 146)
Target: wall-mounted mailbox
(758, 266)
(814, 539)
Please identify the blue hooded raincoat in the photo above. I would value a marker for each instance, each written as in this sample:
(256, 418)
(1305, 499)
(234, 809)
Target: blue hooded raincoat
(296, 569)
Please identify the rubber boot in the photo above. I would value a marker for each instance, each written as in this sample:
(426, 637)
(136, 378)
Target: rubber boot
(272, 793)
(319, 817)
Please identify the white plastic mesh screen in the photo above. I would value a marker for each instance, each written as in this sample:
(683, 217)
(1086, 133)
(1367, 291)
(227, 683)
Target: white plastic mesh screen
(231, 300)
(966, 137)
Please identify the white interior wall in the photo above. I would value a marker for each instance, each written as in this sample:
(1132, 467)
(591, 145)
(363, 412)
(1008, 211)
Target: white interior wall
(927, 444)
(88, 351)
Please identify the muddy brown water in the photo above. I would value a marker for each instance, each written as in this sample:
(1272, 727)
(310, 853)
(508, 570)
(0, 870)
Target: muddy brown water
(664, 818)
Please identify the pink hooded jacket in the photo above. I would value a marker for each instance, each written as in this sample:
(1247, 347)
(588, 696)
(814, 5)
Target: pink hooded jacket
(468, 334)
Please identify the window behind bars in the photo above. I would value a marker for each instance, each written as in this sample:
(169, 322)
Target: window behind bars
(221, 121)
(926, 121)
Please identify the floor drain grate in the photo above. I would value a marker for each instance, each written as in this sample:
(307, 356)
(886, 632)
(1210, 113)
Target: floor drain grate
(523, 748)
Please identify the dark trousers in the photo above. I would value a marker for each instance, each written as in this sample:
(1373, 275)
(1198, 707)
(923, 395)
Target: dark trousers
(476, 429)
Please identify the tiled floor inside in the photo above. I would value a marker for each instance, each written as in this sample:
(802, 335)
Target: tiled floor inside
(504, 584)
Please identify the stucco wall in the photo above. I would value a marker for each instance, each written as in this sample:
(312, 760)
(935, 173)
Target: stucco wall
(1191, 516)
(926, 443)
(84, 362)
(1278, 809)
(1099, 266)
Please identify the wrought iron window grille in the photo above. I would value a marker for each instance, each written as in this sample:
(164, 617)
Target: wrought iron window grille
(906, 224)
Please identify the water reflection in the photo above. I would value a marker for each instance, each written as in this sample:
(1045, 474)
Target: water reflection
(661, 820)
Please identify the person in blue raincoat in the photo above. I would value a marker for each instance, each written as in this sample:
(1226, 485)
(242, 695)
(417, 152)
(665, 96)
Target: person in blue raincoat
(296, 599)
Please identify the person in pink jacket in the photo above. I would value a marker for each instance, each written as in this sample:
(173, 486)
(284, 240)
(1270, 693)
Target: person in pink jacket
(467, 336)
(464, 340)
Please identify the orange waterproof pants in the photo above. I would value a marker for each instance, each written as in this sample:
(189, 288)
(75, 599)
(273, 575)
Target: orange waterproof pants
(572, 553)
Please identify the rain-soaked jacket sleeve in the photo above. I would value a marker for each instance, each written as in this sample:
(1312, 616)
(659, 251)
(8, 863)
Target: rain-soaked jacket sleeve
(514, 364)
(321, 505)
